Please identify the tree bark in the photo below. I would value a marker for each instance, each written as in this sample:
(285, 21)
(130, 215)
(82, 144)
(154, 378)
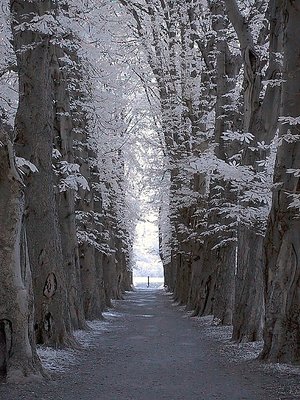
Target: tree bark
(221, 241)
(282, 242)
(35, 136)
(18, 358)
(64, 137)
(87, 200)
(260, 119)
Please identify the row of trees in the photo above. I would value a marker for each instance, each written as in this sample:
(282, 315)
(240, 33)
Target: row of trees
(226, 101)
(200, 97)
(67, 214)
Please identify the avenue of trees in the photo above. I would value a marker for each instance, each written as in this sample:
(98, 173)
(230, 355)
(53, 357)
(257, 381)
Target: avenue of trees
(66, 224)
(227, 97)
(191, 104)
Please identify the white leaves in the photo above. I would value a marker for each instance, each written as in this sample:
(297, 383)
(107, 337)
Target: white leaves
(288, 137)
(45, 24)
(295, 201)
(262, 163)
(259, 197)
(92, 240)
(289, 120)
(56, 154)
(72, 178)
(224, 243)
(246, 137)
(263, 146)
(295, 172)
(24, 165)
(68, 168)
(278, 57)
(233, 164)
(73, 182)
(273, 82)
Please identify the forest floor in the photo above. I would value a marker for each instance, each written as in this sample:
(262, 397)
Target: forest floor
(149, 349)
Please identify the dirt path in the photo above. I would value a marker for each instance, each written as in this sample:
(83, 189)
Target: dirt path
(151, 351)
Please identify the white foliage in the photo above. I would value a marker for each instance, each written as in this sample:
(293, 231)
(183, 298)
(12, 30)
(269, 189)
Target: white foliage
(246, 137)
(295, 201)
(273, 82)
(288, 137)
(25, 165)
(289, 120)
(73, 182)
(70, 176)
(8, 75)
(92, 240)
(120, 128)
(45, 24)
(119, 97)
(294, 171)
(56, 154)
(68, 168)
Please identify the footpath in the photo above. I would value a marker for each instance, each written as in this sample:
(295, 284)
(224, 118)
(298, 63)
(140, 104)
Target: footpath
(150, 350)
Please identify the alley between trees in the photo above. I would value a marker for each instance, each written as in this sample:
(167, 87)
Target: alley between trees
(180, 114)
(152, 350)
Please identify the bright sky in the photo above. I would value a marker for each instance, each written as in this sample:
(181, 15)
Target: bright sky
(146, 247)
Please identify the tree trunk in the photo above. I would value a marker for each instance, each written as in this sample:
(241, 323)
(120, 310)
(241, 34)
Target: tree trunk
(203, 282)
(282, 243)
(249, 305)
(260, 119)
(64, 136)
(91, 269)
(109, 272)
(18, 358)
(221, 241)
(35, 135)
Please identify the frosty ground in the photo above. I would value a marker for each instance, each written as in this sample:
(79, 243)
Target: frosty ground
(147, 348)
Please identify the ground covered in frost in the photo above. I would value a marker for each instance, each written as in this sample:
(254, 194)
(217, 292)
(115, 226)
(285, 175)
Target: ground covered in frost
(149, 349)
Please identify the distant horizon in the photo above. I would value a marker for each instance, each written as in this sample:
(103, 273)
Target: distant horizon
(145, 277)
(155, 282)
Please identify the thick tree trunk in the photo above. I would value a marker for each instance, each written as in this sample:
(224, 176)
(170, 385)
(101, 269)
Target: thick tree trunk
(123, 266)
(66, 199)
(249, 305)
(223, 302)
(91, 269)
(203, 282)
(248, 299)
(260, 119)
(35, 135)
(89, 276)
(18, 358)
(99, 255)
(165, 238)
(221, 242)
(88, 205)
(110, 271)
(282, 243)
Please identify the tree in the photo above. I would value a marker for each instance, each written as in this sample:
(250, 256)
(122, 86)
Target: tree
(174, 64)
(281, 245)
(34, 28)
(221, 241)
(69, 179)
(18, 357)
(260, 120)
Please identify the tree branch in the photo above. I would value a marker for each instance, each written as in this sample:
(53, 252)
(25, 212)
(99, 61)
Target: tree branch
(240, 25)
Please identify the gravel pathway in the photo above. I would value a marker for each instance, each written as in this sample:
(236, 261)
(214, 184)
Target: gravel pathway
(150, 350)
